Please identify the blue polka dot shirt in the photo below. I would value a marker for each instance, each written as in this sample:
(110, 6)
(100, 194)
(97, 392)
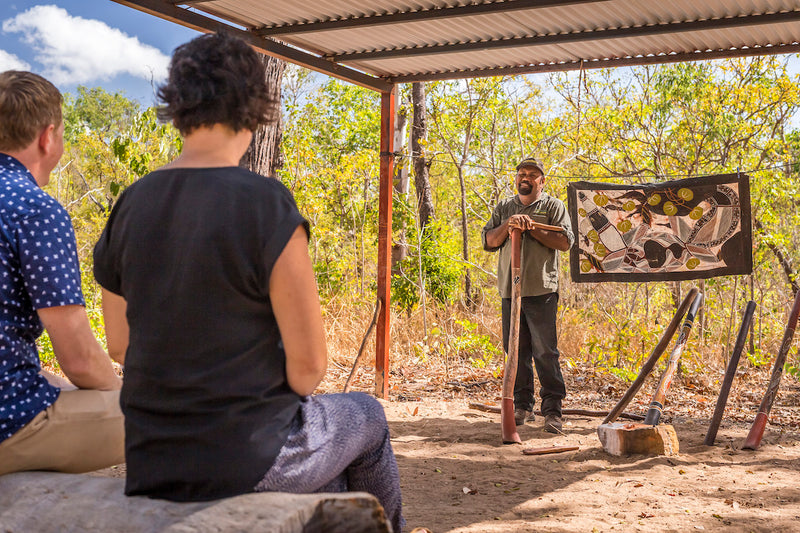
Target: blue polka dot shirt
(38, 269)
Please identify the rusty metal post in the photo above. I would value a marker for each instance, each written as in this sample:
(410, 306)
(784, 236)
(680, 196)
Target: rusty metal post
(382, 334)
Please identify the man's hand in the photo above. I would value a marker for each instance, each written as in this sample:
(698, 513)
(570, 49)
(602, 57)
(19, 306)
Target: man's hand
(495, 237)
(552, 238)
(523, 222)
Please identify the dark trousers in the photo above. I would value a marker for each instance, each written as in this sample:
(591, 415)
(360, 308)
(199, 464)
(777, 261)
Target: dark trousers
(537, 347)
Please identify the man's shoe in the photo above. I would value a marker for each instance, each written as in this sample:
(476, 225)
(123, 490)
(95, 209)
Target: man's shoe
(552, 424)
(523, 415)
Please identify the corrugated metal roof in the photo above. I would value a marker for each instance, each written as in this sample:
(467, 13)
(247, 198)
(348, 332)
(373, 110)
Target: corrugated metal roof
(381, 42)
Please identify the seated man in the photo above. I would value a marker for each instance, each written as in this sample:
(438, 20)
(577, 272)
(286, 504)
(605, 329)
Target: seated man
(42, 426)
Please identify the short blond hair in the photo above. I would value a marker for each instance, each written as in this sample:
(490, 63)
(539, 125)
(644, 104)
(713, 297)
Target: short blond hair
(28, 103)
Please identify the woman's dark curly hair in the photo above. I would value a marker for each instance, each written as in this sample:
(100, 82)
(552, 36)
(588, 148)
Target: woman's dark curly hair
(217, 79)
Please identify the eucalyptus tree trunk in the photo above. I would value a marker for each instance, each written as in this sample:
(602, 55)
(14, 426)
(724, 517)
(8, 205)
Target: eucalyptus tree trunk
(469, 300)
(419, 138)
(419, 134)
(264, 154)
(401, 183)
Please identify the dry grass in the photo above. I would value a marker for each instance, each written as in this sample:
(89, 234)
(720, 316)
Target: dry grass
(412, 354)
(436, 362)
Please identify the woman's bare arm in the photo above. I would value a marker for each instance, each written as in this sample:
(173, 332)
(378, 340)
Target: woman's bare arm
(116, 321)
(295, 302)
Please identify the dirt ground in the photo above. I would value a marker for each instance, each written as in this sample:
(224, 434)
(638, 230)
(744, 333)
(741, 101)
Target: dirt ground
(457, 476)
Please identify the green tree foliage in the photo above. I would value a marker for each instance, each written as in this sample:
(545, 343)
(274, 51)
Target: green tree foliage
(109, 142)
(97, 110)
(440, 270)
(330, 148)
(695, 119)
(633, 125)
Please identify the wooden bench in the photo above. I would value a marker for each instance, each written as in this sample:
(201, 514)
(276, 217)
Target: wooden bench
(47, 502)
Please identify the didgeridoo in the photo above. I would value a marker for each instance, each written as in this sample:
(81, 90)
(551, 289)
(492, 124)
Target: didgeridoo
(655, 355)
(753, 440)
(508, 426)
(657, 404)
(730, 372)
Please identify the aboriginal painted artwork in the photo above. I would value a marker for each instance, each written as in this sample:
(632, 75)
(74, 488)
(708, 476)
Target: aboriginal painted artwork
(685, 229)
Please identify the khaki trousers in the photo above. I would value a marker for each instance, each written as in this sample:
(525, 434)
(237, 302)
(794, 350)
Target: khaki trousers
(82, 431)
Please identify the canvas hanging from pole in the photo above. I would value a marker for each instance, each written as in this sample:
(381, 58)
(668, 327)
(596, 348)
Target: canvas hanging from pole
(693, 228)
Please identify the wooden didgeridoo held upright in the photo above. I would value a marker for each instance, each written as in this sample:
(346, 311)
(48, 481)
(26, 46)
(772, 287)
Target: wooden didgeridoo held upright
(508, 426)
(753, 440)
(657, 404)
(655, 355)
(730, 372)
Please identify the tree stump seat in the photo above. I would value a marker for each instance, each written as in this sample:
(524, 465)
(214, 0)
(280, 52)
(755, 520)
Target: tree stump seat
(48, 502)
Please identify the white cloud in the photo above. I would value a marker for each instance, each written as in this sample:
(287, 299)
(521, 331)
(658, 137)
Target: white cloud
(74, 50)
(11, 62)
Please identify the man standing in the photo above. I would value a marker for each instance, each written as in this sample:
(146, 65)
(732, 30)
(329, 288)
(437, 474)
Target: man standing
(46, 423)
(539, 287)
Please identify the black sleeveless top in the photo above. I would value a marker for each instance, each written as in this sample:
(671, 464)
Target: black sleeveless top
(206, 401)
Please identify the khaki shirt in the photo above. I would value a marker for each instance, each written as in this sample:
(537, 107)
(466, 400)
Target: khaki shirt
(539, 264)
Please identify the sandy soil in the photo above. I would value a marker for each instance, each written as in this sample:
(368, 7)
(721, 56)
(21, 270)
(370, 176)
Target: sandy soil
(457, 476)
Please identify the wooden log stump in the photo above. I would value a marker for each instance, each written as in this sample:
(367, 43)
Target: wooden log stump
(625, 439)
(63, 503)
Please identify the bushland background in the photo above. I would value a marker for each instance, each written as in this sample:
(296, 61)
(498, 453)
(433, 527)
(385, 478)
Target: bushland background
(457, 159)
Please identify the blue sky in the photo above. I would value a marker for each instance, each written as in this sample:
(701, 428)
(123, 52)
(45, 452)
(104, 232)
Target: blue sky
(89, 42)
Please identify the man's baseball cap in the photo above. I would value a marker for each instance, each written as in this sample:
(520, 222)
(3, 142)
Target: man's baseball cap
(531, 162)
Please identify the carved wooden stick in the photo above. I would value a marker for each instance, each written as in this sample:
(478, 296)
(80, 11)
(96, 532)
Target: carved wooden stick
(549, 450)
(363, 344)
(548, 227)
(486, 408)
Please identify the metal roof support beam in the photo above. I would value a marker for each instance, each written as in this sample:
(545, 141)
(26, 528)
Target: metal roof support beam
(566, 38)
(414, 16)
(383, 329)
(201, 23)
(608, 63)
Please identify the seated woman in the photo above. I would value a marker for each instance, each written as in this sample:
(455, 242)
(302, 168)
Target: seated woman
(209, 292)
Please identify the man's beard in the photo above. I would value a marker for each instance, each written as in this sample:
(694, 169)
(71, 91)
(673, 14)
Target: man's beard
(525, 188)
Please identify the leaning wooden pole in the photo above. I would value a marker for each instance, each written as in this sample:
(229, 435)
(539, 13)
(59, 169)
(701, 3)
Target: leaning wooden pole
(659, 398)
(730, 372)
(655, 355)
(382, 334)
(753, 440)
(508, 425)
